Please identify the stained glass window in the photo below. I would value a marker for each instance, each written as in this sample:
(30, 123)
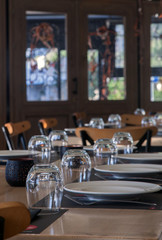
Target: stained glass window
(46, 57)
(156, 58)
(106, 80)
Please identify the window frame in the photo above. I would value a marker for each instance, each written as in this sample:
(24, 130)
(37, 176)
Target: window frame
(149, 9)
(113, 7)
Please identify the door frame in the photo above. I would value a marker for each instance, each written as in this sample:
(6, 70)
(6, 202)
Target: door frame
(149, 9)
(20, 109)
(114, 7)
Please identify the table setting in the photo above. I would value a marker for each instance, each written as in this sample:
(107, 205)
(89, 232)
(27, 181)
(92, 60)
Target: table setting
(98, 181)
(87, 182)
(109, 169)
(116, 174)
(82, 189)
(113, 121)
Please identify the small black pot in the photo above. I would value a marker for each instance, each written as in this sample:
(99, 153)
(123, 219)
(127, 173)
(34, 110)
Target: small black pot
(17, 171)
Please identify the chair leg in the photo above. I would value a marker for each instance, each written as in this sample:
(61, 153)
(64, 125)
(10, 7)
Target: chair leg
(147, 136)
(9, 142)
(1, 227)
(41, 129)
(84, 137)
(21, 141)
(75, 121)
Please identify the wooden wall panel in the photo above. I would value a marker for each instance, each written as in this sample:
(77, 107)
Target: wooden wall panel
(3, 80)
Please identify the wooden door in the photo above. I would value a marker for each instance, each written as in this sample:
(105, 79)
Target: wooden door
(33, 107)
(115, 13)
(78, 14)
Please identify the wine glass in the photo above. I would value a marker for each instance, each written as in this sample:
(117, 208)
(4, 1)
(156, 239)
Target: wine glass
(158, 119)
(40, 147)
(148, 121)
(115, 119)
(139, 111)
(96, 123)
(44, 187)
(104, 149)
(123, 142)
(58, 138)
(76, 166)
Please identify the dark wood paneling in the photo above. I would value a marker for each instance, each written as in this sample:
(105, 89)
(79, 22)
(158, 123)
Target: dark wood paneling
(3, 80)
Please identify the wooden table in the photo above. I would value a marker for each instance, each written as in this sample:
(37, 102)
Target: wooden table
(88, 223)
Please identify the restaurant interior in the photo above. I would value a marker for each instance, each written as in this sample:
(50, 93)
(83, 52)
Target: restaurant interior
(81, 119)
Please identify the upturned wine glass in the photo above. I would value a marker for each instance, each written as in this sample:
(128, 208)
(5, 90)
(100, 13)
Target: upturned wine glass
(44, 187)
(104, 149)
(76, 166)
(96, 123)
(123, 142)
(40, 147)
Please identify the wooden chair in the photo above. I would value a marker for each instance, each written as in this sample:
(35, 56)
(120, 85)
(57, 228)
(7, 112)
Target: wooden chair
(14, 218)
(79, 118)
(17, 129)
(131, 119)
(46, 125)
(138, 133)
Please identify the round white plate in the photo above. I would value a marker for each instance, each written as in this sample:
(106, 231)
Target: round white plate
(7, 154)
(105, 124)
(129, 168)
(112, 189)
(86, 124)
(88, 148)
(141, 157)
(69, 130)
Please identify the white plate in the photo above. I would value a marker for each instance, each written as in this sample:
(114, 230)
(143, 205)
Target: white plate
(141, 157)
(108, 124)
(86, 124)
(129, 168)
(105, 124)
(88, 148)
(112, 189)
(69, 130)
(7, 154)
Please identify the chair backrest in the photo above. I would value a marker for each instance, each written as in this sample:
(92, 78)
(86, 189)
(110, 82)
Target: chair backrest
(138, 133)
(46, 125)
(17, 129)
(131, 119)
(79, 118)
(14, 218)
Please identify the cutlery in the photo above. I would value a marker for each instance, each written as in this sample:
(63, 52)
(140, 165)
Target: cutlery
(128, 178)
(81, 201)
(90, 201)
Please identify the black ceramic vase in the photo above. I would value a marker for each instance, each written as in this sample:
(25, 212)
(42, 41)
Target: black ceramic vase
(17, 171)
